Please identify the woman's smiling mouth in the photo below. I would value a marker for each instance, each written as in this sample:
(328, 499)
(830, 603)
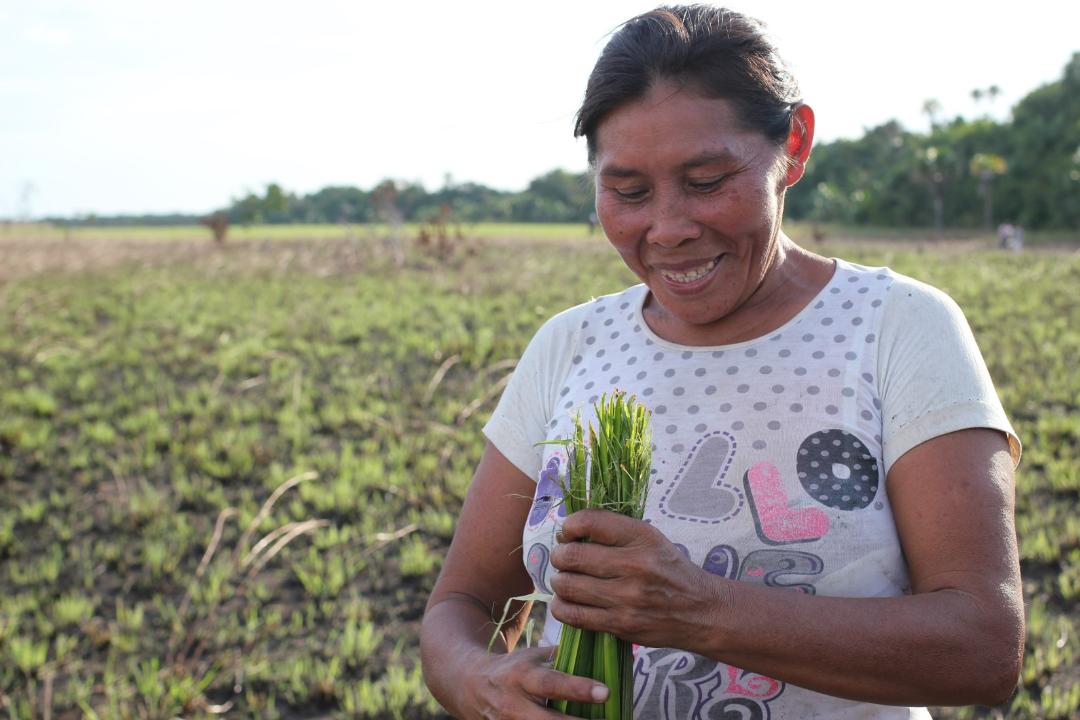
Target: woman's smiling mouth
(690, 277)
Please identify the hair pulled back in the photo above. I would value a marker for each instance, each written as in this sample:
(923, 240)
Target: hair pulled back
(718, 52)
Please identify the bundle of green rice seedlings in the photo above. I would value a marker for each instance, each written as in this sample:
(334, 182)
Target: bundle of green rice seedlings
(610, 472)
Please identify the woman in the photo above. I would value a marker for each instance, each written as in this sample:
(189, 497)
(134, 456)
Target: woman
(830, 528)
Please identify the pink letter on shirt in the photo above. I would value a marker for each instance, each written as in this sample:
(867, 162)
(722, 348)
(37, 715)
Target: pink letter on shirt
(776, 522)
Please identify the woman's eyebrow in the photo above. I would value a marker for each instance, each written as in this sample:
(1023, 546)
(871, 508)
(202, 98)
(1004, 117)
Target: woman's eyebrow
(618, 171)
(711, 157)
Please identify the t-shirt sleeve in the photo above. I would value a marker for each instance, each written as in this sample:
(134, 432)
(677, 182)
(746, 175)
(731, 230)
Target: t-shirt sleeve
(932, 378)
(527, 404)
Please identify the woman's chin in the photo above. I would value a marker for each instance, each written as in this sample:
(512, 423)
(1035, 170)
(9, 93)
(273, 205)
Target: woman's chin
(677, 312)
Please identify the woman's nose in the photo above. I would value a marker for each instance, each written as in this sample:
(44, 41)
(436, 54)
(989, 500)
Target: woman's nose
(672, 222)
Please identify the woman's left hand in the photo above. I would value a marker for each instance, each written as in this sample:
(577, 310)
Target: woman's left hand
(631, 581)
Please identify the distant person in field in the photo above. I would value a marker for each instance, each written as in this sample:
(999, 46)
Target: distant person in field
(1017, 243)
(1006, 232)
(830, 530)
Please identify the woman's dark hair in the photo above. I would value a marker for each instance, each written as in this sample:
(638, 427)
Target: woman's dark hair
(718, 52)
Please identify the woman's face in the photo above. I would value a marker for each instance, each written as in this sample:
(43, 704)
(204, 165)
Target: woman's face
(691, 200)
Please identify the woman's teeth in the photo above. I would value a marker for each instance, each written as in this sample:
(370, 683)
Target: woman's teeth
(691, 276)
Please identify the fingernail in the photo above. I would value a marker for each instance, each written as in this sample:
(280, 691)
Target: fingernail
(599, 693)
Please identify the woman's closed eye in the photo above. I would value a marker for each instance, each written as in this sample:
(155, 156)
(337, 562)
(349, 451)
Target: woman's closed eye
(704, 185)
(632, 192)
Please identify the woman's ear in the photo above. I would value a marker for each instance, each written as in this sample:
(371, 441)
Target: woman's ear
(800, 140)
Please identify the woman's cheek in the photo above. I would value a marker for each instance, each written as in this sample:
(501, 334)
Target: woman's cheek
(619, 219)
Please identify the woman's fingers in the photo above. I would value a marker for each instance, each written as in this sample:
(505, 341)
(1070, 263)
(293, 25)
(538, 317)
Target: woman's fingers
(586, 590)
(617, 546)
(537, 684)
(554, 685)
(589, 558)
(604, 527)
(588, 617)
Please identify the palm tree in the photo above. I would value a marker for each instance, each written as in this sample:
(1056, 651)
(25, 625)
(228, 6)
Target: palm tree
(930, 167)
(932, 108)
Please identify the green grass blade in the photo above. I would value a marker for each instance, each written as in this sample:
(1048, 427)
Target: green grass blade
(626, 655)
(612, 676)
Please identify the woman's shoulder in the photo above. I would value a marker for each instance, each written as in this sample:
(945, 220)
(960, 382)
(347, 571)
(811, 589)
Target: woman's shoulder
(598, 310)
(904, 295)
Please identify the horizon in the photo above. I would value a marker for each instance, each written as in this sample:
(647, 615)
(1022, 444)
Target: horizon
(126, 109)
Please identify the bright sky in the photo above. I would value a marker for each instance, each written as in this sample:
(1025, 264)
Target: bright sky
(128, 106)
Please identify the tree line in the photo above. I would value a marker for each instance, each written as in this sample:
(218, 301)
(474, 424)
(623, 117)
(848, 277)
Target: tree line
(962, 173)
(557, 196)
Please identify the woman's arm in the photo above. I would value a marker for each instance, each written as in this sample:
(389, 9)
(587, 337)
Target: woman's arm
(482, 570)
(957, 639)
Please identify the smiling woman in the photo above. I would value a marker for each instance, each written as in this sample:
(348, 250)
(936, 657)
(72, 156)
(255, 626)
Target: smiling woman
(690, 200)
(829, 530)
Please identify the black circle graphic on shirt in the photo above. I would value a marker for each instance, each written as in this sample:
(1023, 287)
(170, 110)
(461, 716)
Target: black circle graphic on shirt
(837, 470)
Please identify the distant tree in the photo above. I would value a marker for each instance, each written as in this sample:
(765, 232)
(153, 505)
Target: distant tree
(986, 167)
(989, 94)
(1042, 188)
(868, 180)
(557, 196)
(337, 204)
(931, 107)
(275, 204)
(931, 169)
(247, 209)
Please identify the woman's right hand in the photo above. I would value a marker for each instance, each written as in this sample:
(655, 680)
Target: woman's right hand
(517, 685)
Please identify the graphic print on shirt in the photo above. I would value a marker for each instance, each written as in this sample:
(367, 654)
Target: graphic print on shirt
(768, 567)
(722, 560)
(548, 500)
(699, 493)
(675, 684)
(547, 507)
(837, 470)
(536, 563)
(778, 523)
(771, 567)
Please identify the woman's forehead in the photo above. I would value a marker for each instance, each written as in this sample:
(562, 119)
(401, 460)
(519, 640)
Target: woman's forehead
(673, 124)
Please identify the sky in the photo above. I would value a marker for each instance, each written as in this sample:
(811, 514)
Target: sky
(128, 106)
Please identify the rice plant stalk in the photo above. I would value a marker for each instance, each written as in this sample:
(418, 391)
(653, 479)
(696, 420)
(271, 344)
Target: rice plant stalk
(610, 472)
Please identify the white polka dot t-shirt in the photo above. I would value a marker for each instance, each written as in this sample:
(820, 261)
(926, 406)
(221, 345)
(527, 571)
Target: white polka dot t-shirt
(770, 455)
